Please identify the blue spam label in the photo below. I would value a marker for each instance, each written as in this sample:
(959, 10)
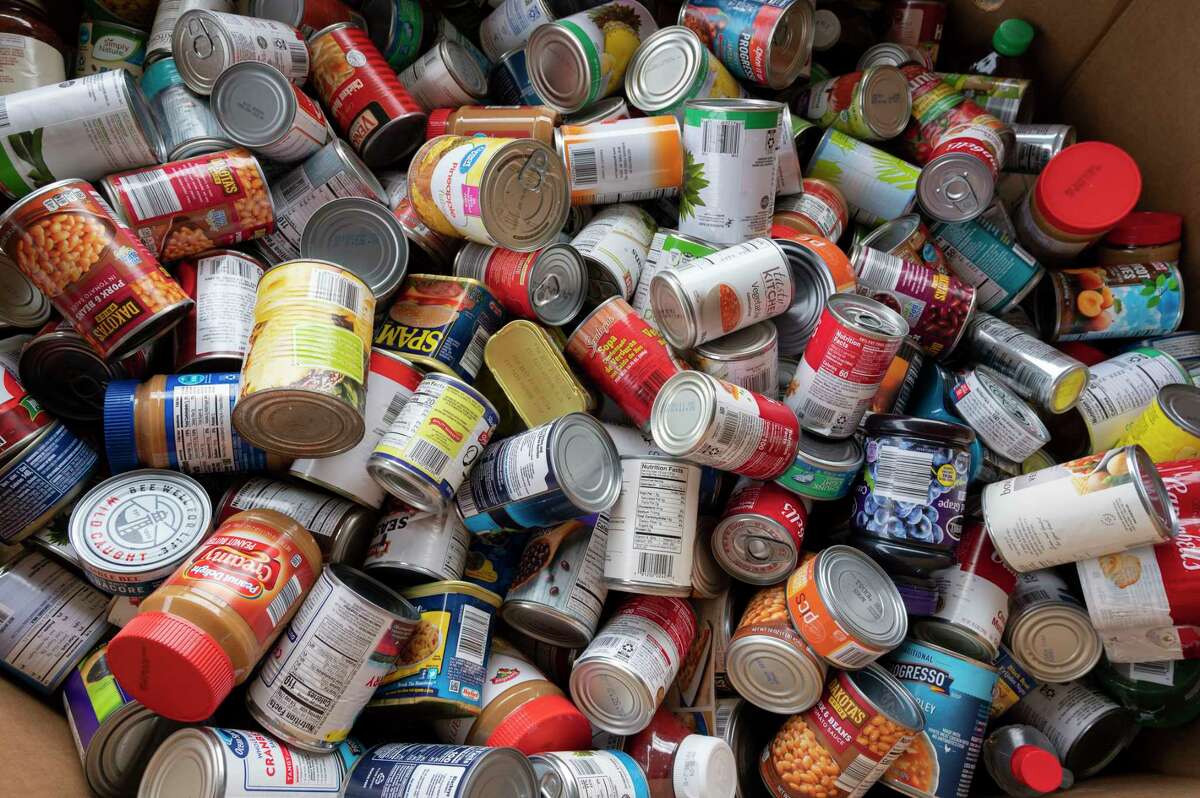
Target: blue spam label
(982, 256)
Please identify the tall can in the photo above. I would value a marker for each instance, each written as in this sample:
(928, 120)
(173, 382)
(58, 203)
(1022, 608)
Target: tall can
(216, 333)
(446, 76)
(877, 185)
(1087, 729)
(972, 605)
(1032, 368)
(1128, 300)
(673, 66)
(510, 24)
(626, 160)
(614, 245)
(769, 44)
(206, 43)
(259, 108)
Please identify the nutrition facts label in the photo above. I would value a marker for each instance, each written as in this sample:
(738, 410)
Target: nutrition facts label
(652, 527)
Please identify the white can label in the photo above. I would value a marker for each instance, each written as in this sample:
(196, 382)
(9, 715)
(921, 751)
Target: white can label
(437, 542)
(226, 287)
(1144, 646)
(618, 238)
(573, 581)
(508, 27)
(1038, 586)
(168, 13)
(256, 764)
(972, 602)
(1120, 389)
(265, 40)
(652, 527)
(643, 646)
(603, 774)
(317, 512)
(27, 63)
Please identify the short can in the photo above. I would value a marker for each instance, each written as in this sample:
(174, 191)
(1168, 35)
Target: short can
(730, 157)
(461, 771)
(578, 774)
(22, 418)
(91, 266)
(876, 185)
(547, 285)
(323, 670)
(206, 43)
(999, 268)
(818, 268)
(748, 358)
(1169, 428)
(824, 469)
(1087, 728)
(1049, 633)
(673, 65)
(105, 46)
(1127, 300)
(1120, 389)
(627, 160)
(304, 378)
(668, 249)
(1031, 367)
(1036, 145)
(862, 722)
(760, 534)
(41, 479)
(972, 604)
(528, 365)
(1000, 418)
(820, 210)
(158, 46)
(614, 245)
(908, 238)
(844, 364)
(767, 661)
(362, 236)
(216, 333)
(652, 529)
(768, 45)
(446, 76)
(871, 105)
(716, 423)
(559, 591)
(413, 546)
(259, 108)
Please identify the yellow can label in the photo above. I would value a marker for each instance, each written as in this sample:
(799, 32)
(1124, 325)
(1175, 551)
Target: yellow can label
(1162, 439)
(457, 183)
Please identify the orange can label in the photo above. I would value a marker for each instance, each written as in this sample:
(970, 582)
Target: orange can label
(623, 160)
(816, 623)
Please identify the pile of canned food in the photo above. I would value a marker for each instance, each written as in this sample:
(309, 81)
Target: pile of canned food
(742, 404)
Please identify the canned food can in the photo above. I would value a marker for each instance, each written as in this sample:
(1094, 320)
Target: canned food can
(737, 723)
(529, 367)
(768, 662)
(673, 66)
(1086, 727)
(308, 16)
(908, 238)
(614, 245)
(817, 267)
(398, 28)
(509, 81)
(206, 43)
(876, 185)
(413, 546)
(761, 532)
(999, 417)
(434, 251)
(370, 106)
(1013, 683)
(391, 381)
(21, 303)
(622, 161)
(1049, 633)
(493, 560)
(304, 378)
(559, 591)
(824, 469)
(577, 774)
(461, 771)
(820, 209)
(510, 24)
(215, 335)
(105, 46)
(1169, 428)
(730, 150)
(184, 118)
(900, 381)
(259, 108)
(362, 236)
(322, 672)
(1128, 300)
(769, 45)
(1036, 145)
(972, 604)
(871, 105)
(1184, 346)
(709, 580)
(1032, 368)
(547, 285)
(166, 15)
(1007, 99)
(668, 249)
(22, 417)
(918, 24)
(446, 76)
(857, 337)
(1001, 272)
(748, 358)
(652, 527)
(609, 109)
(447, 32)
(623, 675)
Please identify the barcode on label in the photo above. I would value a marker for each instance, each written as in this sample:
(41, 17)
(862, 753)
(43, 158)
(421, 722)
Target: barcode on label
(721, 721)
(5, 614)
(428, 456)
(1030, 596)
(815, 412)
(855, 773)
(331, 287)
(299, 54)
(234, 267)
(283, 602)
(150, 194)
(584, 170)
(3, 112)
(649, 387)
(903, 474)
(399, 400)
(585, 766)
(472, 359)
(473, 626)
(294, 186)
(655, 564)
(721, 137)
(730, 424)
(853, 656)
(466, 500)
(1157, 672)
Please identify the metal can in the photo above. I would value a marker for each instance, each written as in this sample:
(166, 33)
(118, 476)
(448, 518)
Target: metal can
(846, 607)
(1001, 272)
(906, 237)
(769, 45)
(1032, 368)
(509, 81)
(1127, 300)
(215, 334)
(22, 304)
(972, 604)
(871, 105)
(614, 245)
(768, 663)
(413, 546)
(321, 673)
(668, 249)
(824, 469)
(876, 185)
(304, 378)
(434, 251)
(1013, 683)
(738, 723)
(166, 15)
(1087, 729)
(399, 28)
(105, 46)
(114, 292)
(1007, 99)
(817, 267)
(370, 106)
(622, 161)
(1036, 145)
(206, 43)
(1169, 428)
(1001, 420)
(748, 358)
(761, 532)
(308, 16)
(1049, 633)
(22, 417)
(461, 771)
(857, 337)
(709, 580)
(578, 774)
(559, 591)
(362, 236)
(259, 108)
(446, 76)
(672, 66)
(623, 675)
(610, 109)
(529, 367)
(547, 285)
(651, 529)
(730, 150)
(187, 124)
(510, 24)
(820, 209)
(918, 24)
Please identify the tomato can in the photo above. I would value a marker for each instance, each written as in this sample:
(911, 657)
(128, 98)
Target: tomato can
(761, 532)
(1049, 633)
(1032, 368)
(672, 66)
(908, 238)
(446, 76)
(871, 105)
(824, 469)
(769, 45)
(820, 210)
(767, 661)
(876, 185)
(461, 771)
(748, 358)
(205, 43)
(668, 249)
(1127, 300)
(414, 546)
(1001, 419)
(1085, 726)
(628, 160)
(972, 604)
(547, 285)
(216, 332)
(259, 108)
(528, 365)
(1169, 428)
(614, 245)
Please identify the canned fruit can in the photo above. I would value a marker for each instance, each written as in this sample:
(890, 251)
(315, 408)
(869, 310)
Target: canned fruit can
(22, 418)
(510, 24)
(766, 44)
(1049, 635)
(1033, 369)
(748, 358)
(871, 105)
(820, 210)
(843, 365)
(824, 469)
(876, 185)
(1120, 301)
(668, 249)
(1087, 729)
(547, 285)
(1169, 428)
(529, 367)
(730, 159)
(614, 245)
(673, 66)
(216, 332)
(768, 662)
(460, 771)
(259, 108)
(105, 46)
(761, 531)
(413, 546)
(999, 418)
(1000, 270)
(41, 479)
(972, 598)
(206, 43)
(626, 160)
(1120, 389)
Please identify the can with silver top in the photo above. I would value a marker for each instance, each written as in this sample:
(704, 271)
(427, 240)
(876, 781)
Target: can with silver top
(871, 105)
(761, 532)
(186, 122)
(166, 15)
(259, 108)
(668, 249)
(768, 663)
(206, 43)
(813, 285)
(999, 417)
(548, 285)
(1087, 728)
(614, 245)
(824, 468)
(1032, 368)
(22, 304)
(416, 546)
(1036, 145)
(582, 774)
(363, 237)
(748, 357)
(1049, 632)
(446, 76)
(673, 66)
(610, 109)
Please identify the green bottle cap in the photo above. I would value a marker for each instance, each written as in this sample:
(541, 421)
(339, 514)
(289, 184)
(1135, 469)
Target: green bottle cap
(1012, 37)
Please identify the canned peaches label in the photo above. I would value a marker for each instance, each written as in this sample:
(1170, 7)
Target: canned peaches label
(1119, 301)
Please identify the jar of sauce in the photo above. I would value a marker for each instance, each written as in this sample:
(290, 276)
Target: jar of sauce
(206, 627)
(681, 764)
(502, 121)
(1143, 237)
(32, 54)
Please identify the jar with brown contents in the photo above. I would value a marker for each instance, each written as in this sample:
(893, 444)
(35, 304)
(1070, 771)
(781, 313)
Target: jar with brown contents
(503, 121)
(32, 54)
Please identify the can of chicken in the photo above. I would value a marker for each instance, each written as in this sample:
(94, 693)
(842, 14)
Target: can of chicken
(761, 532)
(767, 661)
(216, 333)
(413, 546)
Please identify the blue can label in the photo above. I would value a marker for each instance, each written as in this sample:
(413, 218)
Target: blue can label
(201, 438)
(40, 477)
(1001, 272)
(1012, 683)
(413, 770)
(493, 559)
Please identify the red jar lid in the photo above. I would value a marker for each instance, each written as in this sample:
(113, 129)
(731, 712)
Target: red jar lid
(438, 122)
(1036, 768)
(1144, 228)
(549, 723)
(1087, 188)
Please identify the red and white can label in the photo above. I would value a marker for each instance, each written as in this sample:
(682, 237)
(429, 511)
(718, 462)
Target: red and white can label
(505, 272)
(770, 501)
(973, 594)
(650, 635)
(21, 416)
(752, 435)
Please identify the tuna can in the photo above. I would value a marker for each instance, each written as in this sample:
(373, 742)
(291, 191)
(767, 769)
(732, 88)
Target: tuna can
(22, 418)
(369, 105)
(440, 670)
(846, 607)
(304, 377)
(673, 66)
(767, 661)
(105, 46)
(53, 618)
(206, 43)
(1087, 729)
(908, 238)
(113, 291)
(652, 528)
(414, 546)
(510, 24)
(857, 337)
(337, 648)
(761, 532)
(547, 285)
(1126, 300)
(824, 469)
(748, 358)
(1169, 428)
(41, 479)
(1032, 368)
(999, 417)
(509, 81)
(623, 161)
(579, 774)
(1036, 145)
(876, 185)
(216, 332)
(559, 591)
(399, 28)
(972, 604)
(819, 210)
(816, 273)
(362, 236)
(668, 249)
(728, 192)
(308, 16)
(433, 442)
(956, 694)
(391, 381)
(769, 45)
(1013, 683)
(623, 675)
(259, 108)
(446, 76)
(715, 423)
(1001, 272)
(871, 105)
(614, 245)
(1037, 520)
(709, 297)
(528, 365)
(158, 46)
(461, 771)
(1049, 633)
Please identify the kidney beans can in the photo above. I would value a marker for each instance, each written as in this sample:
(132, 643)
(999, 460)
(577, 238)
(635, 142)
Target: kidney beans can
(1127, 300)
(1087, 728)
(824, 469)
(41, 479)
(972, 603)
(761, 532)
(259, 108)
(1049, 633)
(459, 771)
(206, 43)
(768, 662)
(215, 335)
(413, 546)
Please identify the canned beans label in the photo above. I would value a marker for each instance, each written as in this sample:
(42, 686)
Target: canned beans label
(767, 614)
(626, 160)
(570, 578)
(816, 621)
(936, 306)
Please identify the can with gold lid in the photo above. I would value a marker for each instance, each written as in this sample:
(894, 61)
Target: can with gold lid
(529, 367)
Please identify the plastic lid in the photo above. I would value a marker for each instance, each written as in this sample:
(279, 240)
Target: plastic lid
(704, 768)
(439, 122)
(549, 723)
(172, 666)
(1146, 227)
(1087, 188)
(1013, 37)
(1036, 768)
(119, 442)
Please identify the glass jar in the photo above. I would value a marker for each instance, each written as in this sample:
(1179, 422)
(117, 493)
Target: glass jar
(32, 54)
(1143, 237)
(188, 126)
(681, 764)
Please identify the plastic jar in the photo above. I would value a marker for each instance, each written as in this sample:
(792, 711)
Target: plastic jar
(32, 54)
(187, 125)
(502, 121)
(681, 764)
(1083, 192)
(1143, 237)
(206, 627)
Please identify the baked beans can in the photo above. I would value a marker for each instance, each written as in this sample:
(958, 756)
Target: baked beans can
(1169, 428)
(668, 249)
(1127, 300)
(716, 423)
(362, 236)
(876, 185)
(862, 722)
(672, 66)
(730, 156)
(761, 532)
(462, 771)
(99, 277)
(628, 160)
(1001, 419)
(824, 469)
(510, 23)
(398, 28)
(767, 661)
(748, 358)
(623, 675)
(370, 106)
(956, 694)
(1120, 389)
(22, 418)
(547, 285)
(1036, 145)
(972, 604)
(1049, 633)
(1087, 729)
(652, 528)
(322, 671)
(624, 356)
(559, 591)
(105, 46)
(871, 105)
(441, 323)
(528, 365)
(918, 24)
(766, 44)
(446, 76)
(259, 108)
(187, 207)
(308, 16)
(216, 332)
(819, 209)
(614, 246)
(843, 365)
(414, 546)
(1033, 369)
(575, 774)
(206, 43)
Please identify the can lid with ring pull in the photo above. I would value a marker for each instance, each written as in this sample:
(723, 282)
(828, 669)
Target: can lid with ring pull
(535, 163)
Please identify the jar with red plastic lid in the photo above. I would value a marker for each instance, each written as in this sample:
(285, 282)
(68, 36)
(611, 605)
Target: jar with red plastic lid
(1083, 192)
(679, 763)
(1143, 237)
(32, 54)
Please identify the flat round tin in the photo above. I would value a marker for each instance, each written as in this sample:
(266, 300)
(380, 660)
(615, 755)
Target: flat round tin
(254, 102)
(363, 237)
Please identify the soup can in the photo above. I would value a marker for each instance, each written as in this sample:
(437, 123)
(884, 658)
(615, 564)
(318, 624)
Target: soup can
(748, 358)
(871, 105)
(216, 332)
(820, 210)
(547, 285)
(1087, 729)
(576, 774)
(1049, 633)
(206, 43)
(672, 66)
(668, 249)
(614, 245)
(41, 479)
(1169, 428)
(768, 45)
(510, 23)
(1032, 368)
(1127, 300)
(1001, 419)
(461, 771)
(824, 469)
(414, 546)
(876, 185)
(446, 76)
(105, 46)
(761, 532)
(259, 108)
(980, 255)
(304, 378)
(972, 603)
(627, 160)
(529, 367)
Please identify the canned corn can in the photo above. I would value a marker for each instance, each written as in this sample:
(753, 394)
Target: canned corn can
(1169, 428)
(206, 43)
(1128, 300)
(876, 185)
(761, 532)
(768, 662)
(672, 66)
(216, 332)
(105, 46)
(412, 546)
(750, 37)
(627, 160)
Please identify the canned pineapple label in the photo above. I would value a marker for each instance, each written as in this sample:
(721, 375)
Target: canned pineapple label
(456, 186)
(609, 35)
